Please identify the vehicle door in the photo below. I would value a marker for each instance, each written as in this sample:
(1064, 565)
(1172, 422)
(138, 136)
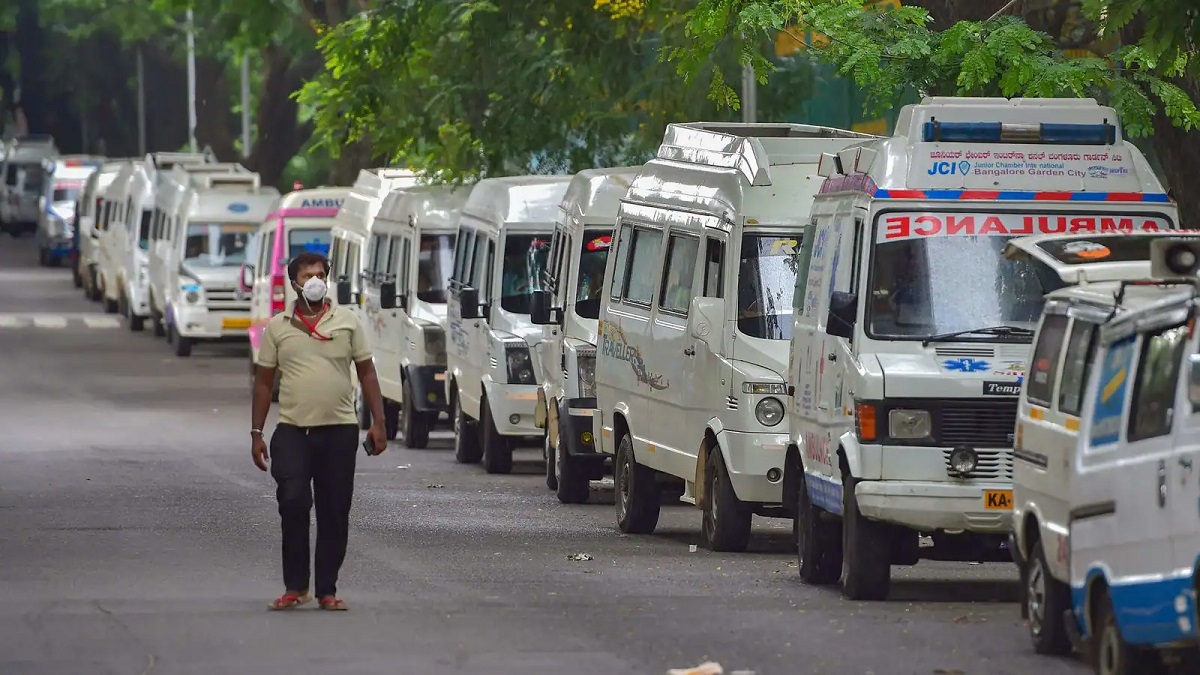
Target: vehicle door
(1185, 528)
(706, 373)
(560, 281)
(260, 293)
(457, 339)
(483, 277)
(374, 274)
(395, 339)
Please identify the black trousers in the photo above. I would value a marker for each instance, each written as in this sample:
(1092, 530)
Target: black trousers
(308, 462)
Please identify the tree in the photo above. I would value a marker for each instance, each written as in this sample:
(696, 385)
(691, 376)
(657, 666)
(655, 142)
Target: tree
(462, 88)
(957, 49)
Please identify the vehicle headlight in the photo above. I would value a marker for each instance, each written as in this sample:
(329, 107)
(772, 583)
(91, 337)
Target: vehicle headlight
(769, 411)
(435, 341)
(191, 292)
(909, 424)
(585, 362)
(760, 388)
(520, 365)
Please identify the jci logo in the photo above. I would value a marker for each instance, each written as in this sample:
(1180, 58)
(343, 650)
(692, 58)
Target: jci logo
(949, 168)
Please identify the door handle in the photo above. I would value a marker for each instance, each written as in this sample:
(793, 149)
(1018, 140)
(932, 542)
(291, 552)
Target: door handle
(832, 356)
(690, 351)
(1186, 462)
(1162, 484)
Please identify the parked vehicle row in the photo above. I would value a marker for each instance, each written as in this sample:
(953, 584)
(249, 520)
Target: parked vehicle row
(897, 342)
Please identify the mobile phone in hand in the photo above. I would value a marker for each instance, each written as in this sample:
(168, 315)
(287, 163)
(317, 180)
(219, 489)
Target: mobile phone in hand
(369, 447)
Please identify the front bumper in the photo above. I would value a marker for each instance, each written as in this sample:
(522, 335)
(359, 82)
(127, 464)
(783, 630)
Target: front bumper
(200, 323)
(750, 456)
(509, 402)
(428, 385)
(928, 506)
(59, 248)
(139, 299)
(575, 428)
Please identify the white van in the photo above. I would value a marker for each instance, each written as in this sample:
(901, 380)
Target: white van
(65, 178)
(301, 222)
(409, 257)
(1048, 419)
(91, 203)
(568, 308)
(213, 236)
(1133, 535)
(913, 329)
(491, 359)
(690, 375)
(24, 175)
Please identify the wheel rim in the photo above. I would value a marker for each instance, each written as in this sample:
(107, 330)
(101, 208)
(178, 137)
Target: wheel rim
(624, 473)
(1036, 591)
(1107, 654)
(558, 459)
(402, 417)
(457, 421)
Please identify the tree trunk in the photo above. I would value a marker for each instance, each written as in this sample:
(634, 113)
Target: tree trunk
(280, 134)
(353, 158)
(214, 110)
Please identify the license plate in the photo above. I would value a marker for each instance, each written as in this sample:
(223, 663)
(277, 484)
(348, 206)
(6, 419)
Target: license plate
(235, 323)
(998, 500)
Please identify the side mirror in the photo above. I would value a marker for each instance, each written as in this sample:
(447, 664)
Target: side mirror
(468, 300)
(706, 317)
(843, 310)
(246, 278)
(540, 311)
(387, 295)
(343, 291)
(1194, 381)
(402, 301)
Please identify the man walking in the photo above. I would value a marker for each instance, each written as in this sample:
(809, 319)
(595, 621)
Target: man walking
(312, 344)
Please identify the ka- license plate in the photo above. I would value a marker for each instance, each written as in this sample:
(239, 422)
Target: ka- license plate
(998, 500)
(235, 323)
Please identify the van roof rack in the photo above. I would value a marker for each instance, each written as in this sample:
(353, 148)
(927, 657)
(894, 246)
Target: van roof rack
(164, 161)
(228, 182)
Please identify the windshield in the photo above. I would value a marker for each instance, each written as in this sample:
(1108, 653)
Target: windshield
(144, 230)
(766, 283)
(311, 239)
(596, 244)
(65, 193)
(217, 244)
(33, 178)
(524, 263)
(940, 273)
(435, 262)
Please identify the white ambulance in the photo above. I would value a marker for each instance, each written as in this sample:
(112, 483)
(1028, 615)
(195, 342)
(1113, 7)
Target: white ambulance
(217, 219)
(23, 173)
(1048, 421)
(491, 361)
(913, 329)
(569, 309)
(407, 271)
(91, 204)
(1133, 536)
(694, 329)
(65, 178)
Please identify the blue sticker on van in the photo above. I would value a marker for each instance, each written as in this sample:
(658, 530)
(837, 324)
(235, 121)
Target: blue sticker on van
(238, 207)
(317, 246)
(966, 365)
(1110, 395)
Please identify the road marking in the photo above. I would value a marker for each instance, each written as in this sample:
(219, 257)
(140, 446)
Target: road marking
(7, 321)
(102, 322)
(47, 321)
(50, 321)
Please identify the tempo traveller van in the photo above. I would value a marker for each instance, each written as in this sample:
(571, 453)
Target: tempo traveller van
(409, 257)
(491, 358)
(23, 173)
(568, 308)
(91, 202)
(65, 178)
(913, 329)
(694, 327)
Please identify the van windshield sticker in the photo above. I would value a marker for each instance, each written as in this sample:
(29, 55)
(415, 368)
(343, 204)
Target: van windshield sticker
(903, 226)
(238, 207)
(321, 203)
(600, 243)
(1110, 394)
(783, 247)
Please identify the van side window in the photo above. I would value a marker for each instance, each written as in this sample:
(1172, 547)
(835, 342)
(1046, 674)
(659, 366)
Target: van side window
(856, 266)
(551, 275)
(803, 263)
(478, 277)
(462, 256)
(1153, 409)
(400, 268)
(268, 250)
(1081, 347)
(389, 256)
(714, 268)
(622, 242)
(643, 266)
(676, 292)
(489, 270)
(1044, 368)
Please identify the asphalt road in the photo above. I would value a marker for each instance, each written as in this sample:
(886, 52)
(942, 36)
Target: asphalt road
(136, 537)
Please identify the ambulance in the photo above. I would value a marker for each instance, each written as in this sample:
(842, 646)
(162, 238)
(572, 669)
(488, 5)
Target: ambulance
(216, 220)
(300, 223)
(1048, 414)
(913, 330)
(91, 201)
(1133, 487)
(55, 236)
(568, 308)
(409, 258)
(22, 181)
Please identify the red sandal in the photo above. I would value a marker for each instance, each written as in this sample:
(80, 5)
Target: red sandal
(332, 604)
(290, 600)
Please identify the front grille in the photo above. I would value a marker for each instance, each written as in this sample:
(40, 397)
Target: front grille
(976, 352)
(976, 424)
(731, 402)
(992, 464)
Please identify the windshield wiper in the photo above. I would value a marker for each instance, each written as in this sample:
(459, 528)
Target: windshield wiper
(1002, 331)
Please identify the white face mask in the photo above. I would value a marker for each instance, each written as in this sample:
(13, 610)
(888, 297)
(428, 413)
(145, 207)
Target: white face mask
(315, 289)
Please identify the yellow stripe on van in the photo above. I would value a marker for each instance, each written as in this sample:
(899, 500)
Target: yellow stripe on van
(1113, 385)
(1036, 413)
(1072, 423)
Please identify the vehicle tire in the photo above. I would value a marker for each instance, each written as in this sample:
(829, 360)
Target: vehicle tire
(183, 345)
(110, 306)
(818, 540)
(136, 323)
(467, 449)
(413, 423)
(497, 449)
(391, 419)
(1046, 600)
(76, 277)
(123, 306)
(638, 497)
(866, 551)
(726, 519)
(156, 320)
(52, 261)
(1109, 654)
(363, 410)
(574, 487)
(43, 257)
(549, 457)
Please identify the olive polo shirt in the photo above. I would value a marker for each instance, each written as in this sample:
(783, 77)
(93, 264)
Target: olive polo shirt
(316, 377)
